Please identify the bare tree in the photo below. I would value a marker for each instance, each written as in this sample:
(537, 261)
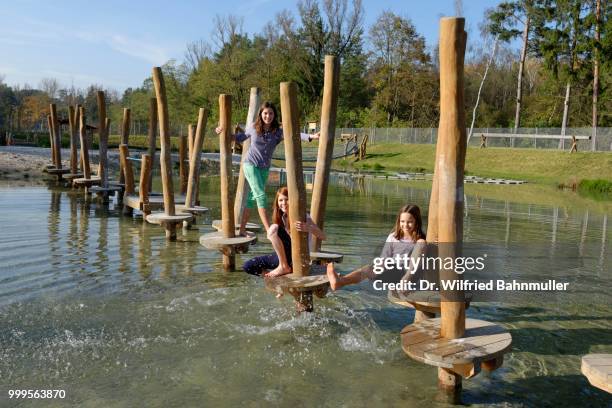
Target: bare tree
(343, 25)
(50, 86)
(197, 51)
(226, 29)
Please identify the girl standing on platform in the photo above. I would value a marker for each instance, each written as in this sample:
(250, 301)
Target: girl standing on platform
(280, 263)
(265, 135)
(407, 237)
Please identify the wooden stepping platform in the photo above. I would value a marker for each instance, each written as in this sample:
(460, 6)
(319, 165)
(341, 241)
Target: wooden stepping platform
(197, 210)
(72, 176)
(46, 167)
(597, 368)
(484, 180)
(294, 285)
(427, 301)
(86, 182)
(326, 257)
(215, 240)
(250, 226)
(155, 202)
(162, 219)
(483, 345)
(61, 171)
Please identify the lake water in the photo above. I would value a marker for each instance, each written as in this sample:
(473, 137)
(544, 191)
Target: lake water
(102, 306)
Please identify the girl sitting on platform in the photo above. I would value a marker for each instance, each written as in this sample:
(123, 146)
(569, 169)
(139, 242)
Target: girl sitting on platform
(265, 135)
(407, 238)
(280, 263)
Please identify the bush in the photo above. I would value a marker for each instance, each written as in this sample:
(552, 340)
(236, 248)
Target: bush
(599, 187)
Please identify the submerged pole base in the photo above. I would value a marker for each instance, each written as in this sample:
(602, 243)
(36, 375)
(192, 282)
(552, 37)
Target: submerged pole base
(449, 386)
(303, 301)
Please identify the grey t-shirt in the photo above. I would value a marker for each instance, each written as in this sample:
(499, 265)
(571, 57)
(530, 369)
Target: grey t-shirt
(262, 146)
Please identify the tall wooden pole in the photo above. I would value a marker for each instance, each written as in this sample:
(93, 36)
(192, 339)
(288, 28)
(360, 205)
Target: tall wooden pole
(227, 211)
(194, 159)
(57, 139)
(452, 142)
(242, 189)
(51, 140)
(326, 143)
(103, 139)
(125, 135)
(451, 150)
(165, 158)
(143, 183)
(183, 165)
(295, 178)
(84, 143)
(152, 146)
(73, 119)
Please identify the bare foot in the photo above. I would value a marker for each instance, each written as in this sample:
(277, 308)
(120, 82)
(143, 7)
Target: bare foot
(333, 277)
(278, 271)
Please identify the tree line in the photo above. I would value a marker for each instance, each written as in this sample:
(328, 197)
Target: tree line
(560, 75)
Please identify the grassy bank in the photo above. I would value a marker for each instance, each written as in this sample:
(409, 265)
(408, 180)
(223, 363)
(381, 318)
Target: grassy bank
(540, 166)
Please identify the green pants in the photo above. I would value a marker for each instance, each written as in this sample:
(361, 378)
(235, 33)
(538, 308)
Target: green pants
(257, 178)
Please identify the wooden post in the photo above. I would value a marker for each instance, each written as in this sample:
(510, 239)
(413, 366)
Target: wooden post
(452, 149)
(102, 139)
(194, 160)
(51, 140)
(125, 135)
(84, 143)
(124, 156)
(143, 184)
(297, 191)
(227, 211)
(57, 140)
(190, 138)
(242, 189)
(165, 159)
(326, 143)
(73, 117)
(152, 146)
(183, 165)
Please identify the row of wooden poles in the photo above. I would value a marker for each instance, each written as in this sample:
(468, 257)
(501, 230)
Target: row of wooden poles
(446, 204)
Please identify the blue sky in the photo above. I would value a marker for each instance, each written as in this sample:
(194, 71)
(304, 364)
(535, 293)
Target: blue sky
(116, 43)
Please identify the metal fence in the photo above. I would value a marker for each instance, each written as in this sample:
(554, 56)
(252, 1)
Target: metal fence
(430, 136)
(603, 141)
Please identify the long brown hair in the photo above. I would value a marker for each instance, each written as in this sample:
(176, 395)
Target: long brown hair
(277, 213)
(415, 211)
(259, 123)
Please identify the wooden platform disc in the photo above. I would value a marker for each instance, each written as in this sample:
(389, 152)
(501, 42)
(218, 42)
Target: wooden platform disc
(46, 167)
(326, 256)
(93, 181)
(197, 210)
(483, 341)
(72, 176)
(294, 284)
(423, 300)
(250, 226)
(58, 171)
(215, 240)
(597, 368)
(133, 201)
(161, 218)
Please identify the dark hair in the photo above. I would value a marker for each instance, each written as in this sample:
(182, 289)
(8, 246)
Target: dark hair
(259, 124)
(277, 213)
(415, 211)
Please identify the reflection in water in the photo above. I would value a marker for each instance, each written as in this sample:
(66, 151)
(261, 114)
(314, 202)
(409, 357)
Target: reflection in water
(96, 300)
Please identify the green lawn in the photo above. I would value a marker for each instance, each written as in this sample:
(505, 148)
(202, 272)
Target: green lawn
(542, 166)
